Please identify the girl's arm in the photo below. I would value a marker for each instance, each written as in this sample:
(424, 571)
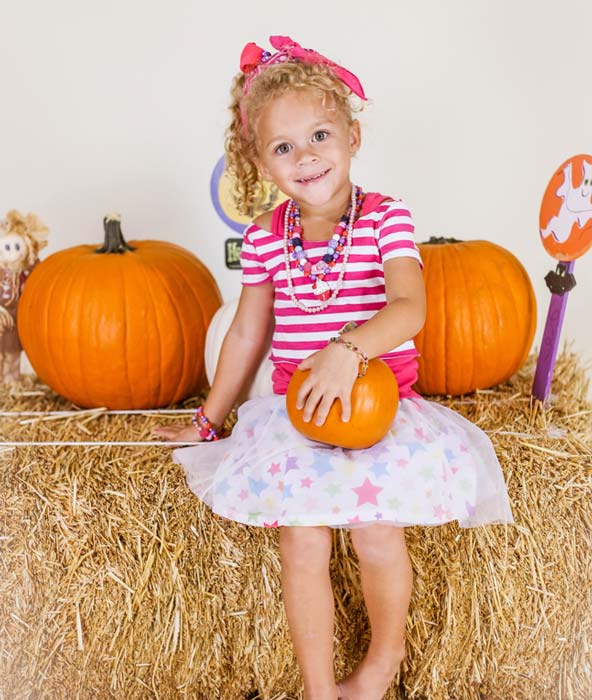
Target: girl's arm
(245, 342)
(404, 314)
(335, 368)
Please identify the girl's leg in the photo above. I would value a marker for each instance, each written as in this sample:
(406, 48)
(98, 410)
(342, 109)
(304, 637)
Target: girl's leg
(387, 578)
(308, 598)
(12, 368)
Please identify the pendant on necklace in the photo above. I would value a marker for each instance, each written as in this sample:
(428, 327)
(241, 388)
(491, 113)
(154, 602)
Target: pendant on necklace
(321, 289)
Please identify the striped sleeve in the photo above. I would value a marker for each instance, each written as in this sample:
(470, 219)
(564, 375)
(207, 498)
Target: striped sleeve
(396, 233)
(254, 270)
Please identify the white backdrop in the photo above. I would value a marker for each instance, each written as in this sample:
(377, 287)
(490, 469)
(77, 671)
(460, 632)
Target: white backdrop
(121, 107)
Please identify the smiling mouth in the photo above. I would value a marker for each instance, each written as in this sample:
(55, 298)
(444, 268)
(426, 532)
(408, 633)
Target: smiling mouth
(312, 178)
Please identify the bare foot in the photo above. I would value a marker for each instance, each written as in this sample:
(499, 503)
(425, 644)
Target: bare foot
(369, 681)
(331, 695)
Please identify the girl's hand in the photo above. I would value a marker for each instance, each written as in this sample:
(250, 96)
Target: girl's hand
(177, 433)
(333, 371)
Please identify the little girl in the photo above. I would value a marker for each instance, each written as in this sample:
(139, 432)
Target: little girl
(330, 255)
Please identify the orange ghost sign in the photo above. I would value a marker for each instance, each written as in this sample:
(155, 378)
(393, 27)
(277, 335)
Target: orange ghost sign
(565, 222)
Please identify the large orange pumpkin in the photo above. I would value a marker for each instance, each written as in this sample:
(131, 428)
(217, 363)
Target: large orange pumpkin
(374, 402)
(481, 316)
(122, 326)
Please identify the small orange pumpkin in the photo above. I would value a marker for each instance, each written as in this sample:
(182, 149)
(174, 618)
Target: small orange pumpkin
(481, 316)
(374, 403)
(122, 326)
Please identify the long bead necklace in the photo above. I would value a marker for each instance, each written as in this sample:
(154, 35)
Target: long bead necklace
(340, 242)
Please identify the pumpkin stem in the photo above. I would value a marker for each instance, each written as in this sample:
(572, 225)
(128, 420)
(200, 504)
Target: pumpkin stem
(438, 240)
(114, 240)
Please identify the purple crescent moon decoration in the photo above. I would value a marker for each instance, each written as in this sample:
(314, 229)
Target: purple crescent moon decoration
(217, 174)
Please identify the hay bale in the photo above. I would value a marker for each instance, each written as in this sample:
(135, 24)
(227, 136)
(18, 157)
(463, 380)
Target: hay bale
(116, 582)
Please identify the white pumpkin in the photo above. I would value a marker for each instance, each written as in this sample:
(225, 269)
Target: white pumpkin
(217, 329)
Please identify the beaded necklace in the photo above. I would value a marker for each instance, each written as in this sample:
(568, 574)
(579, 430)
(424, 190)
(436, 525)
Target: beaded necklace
(340, 242)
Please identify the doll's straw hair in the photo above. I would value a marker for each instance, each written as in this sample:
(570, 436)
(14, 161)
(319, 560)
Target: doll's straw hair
(241, 137)
(30, 228)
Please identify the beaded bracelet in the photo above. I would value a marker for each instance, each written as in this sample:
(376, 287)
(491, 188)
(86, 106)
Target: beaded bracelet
(206, 431)
(350, 346)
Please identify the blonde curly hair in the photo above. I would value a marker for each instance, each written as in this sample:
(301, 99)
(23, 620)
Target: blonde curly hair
(273, 81)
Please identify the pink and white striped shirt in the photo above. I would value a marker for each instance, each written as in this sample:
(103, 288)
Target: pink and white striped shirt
(384, 230)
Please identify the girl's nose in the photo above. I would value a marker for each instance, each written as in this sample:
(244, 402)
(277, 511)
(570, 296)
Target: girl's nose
(305, 156)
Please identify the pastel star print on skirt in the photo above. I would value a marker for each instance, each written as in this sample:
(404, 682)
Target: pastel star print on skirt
(433, 466)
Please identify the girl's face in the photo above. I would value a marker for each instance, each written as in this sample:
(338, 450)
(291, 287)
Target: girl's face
(306, 149)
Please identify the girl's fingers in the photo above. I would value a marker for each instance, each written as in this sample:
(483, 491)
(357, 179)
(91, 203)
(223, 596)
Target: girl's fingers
(323, 409)
(176, 434)
(303, 392)
(311, 403)
(345, 407)
(162, 432)
(323, 385)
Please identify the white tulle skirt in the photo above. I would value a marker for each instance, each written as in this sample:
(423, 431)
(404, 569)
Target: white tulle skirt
(433, 466)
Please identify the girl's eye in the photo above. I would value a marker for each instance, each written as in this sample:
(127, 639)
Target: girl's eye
(282, 148)
(17, 246)
(320, 135)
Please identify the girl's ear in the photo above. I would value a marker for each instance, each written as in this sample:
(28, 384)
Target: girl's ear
(355, 137)
(263, 170)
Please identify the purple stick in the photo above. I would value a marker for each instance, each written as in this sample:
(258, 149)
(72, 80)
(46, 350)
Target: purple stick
(549, 343)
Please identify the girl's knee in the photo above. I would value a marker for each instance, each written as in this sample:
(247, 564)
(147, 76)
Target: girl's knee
(379, 544)
(306, 547)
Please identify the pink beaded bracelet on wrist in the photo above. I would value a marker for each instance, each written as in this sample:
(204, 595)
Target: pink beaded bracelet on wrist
(360, 353)
(206, 431)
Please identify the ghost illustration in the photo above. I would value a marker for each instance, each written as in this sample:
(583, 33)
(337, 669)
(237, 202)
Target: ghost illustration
(576, 206)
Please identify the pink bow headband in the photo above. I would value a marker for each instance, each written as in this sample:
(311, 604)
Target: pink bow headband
(254, 59)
